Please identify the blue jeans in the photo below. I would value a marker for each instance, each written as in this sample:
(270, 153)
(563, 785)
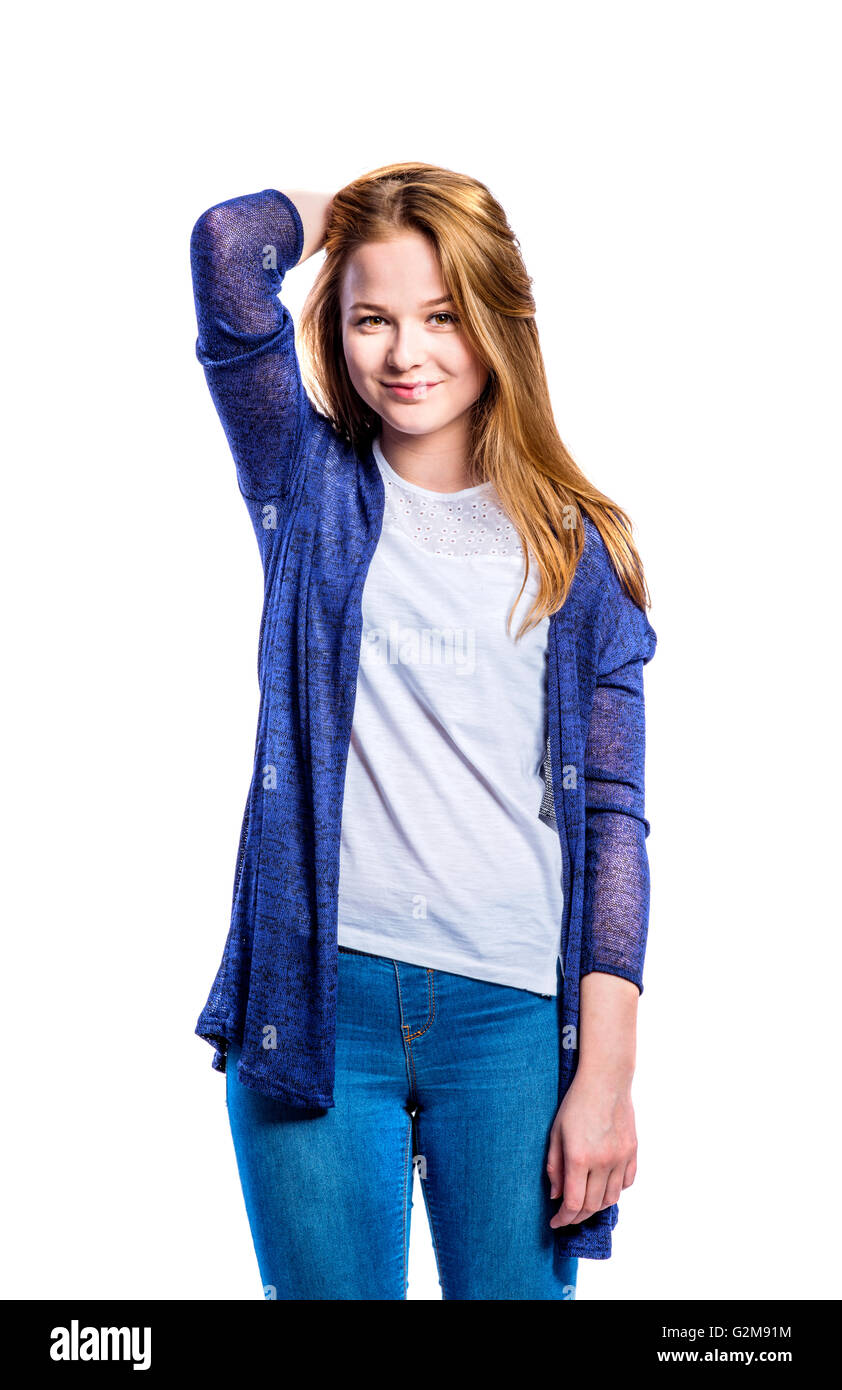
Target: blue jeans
(451, 1074)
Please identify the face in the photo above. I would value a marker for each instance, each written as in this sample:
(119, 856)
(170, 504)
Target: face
(398, 326)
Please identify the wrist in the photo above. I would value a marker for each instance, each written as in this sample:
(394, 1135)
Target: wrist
(606, 1072)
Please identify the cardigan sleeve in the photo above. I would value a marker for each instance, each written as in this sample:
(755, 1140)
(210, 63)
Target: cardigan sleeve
(616, 884)
(240, 251)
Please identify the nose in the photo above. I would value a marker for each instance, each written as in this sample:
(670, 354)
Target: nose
(405, 351)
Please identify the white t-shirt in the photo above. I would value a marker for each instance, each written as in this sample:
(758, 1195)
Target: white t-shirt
(444, 861)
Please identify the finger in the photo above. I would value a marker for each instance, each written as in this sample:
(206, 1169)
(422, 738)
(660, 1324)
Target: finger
(575, 1184)
(594, 1193)
(614, 1185)
(555, 1164)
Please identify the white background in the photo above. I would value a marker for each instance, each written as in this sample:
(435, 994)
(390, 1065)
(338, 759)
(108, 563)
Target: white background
(671, 171)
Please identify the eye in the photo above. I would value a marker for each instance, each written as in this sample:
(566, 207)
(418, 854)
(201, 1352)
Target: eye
(439, 314)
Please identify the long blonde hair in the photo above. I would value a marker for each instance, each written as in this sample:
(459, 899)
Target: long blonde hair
(514, 440)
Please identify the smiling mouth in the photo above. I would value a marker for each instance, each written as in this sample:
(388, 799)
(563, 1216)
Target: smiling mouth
(412, 391)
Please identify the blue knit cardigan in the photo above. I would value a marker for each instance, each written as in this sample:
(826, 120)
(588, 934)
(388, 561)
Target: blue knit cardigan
(317, 505)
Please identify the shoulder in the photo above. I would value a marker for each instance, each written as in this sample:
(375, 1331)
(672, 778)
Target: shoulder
(619, 630)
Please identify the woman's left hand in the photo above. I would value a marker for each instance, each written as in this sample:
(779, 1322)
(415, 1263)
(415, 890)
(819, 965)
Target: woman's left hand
(593, 1148)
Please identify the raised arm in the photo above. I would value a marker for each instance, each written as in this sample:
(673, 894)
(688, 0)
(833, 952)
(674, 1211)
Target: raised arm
(240, 251)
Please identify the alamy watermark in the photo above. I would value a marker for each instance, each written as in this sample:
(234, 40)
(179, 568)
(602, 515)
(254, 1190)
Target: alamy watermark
(420, 646)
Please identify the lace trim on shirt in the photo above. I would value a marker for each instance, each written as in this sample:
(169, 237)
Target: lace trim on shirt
(460, 524)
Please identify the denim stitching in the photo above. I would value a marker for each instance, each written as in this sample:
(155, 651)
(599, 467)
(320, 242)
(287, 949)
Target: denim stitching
(431, 1006)
(413, 1096)
(413, 1079)
(407, 1160)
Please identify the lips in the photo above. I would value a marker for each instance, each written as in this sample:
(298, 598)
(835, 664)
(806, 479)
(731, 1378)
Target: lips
(411, 391)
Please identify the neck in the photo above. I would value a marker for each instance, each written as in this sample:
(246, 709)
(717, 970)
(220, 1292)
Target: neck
(437, 460)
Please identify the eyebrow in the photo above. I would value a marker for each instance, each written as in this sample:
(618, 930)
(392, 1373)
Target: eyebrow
(378, 308)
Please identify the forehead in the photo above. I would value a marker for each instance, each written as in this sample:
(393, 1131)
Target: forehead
(400, 272)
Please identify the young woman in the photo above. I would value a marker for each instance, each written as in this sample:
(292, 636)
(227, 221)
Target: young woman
(442, 889)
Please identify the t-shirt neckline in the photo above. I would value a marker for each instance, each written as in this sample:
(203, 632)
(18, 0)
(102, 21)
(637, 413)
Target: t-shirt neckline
(414, 487)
